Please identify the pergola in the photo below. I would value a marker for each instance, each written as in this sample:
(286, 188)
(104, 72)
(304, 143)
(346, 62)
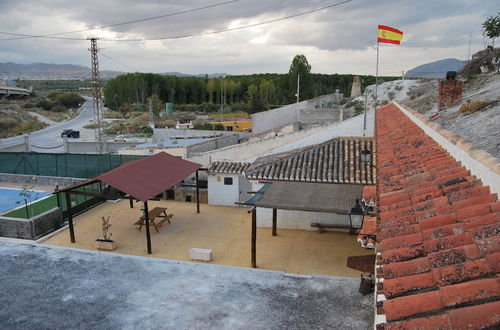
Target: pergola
(142, 180)
(299, 196)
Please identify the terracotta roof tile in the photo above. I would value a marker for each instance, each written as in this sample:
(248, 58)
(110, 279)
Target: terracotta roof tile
(475, 317)
(397, 286)
(441, 322)
(439, 233)
(461, 272)
(406, 306)
(458, 294)
(406, 268)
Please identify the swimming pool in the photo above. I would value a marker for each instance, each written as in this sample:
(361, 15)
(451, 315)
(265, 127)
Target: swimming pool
(10, 197)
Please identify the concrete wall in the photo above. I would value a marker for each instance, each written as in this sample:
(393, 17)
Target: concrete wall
(40, 180)
(252, 148)
(31, 228)
(265, 120)
(179, 151)
(319, 116)
(82, 147)
(480, 163)
(213, 144)
(290, 114)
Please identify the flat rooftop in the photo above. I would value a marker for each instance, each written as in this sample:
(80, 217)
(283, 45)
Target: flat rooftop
(59, 288)
(224, 230)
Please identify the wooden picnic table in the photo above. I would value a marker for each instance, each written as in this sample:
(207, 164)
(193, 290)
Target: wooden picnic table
(153, 215)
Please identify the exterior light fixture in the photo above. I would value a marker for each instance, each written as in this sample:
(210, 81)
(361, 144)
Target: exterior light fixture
(356, 215)
(366, 155)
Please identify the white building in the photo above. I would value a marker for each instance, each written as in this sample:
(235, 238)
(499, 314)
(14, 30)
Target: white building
(226, 184)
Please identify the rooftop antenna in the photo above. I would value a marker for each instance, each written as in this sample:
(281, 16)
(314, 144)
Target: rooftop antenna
(96, 94)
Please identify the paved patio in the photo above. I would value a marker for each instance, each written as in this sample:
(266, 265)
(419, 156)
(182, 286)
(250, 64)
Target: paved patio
(225, 230)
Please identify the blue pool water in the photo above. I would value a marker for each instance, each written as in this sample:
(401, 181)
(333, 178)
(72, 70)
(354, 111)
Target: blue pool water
(9, 197)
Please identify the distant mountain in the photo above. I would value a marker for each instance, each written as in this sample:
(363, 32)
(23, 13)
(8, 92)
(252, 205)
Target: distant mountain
(41, 71)
(35, 71)
(436, 69)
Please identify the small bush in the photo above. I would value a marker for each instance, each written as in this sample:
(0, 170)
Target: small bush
(358, 109)
(473, 106)
(58, 108)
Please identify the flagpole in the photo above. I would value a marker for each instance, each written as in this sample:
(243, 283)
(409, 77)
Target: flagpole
(376, 74)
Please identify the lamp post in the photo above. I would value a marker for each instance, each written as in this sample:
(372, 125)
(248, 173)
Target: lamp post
(356, 216)
(365, 155)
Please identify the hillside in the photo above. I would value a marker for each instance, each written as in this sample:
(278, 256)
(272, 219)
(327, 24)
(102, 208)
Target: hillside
(34, 71)
(436, 69)
(481, 128)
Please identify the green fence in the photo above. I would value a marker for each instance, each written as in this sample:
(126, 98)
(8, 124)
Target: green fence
(64, 165)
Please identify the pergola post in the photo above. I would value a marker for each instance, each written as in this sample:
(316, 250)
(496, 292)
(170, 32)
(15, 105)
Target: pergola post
(275, 219)
(146, 220)
(254, 238)
(197, 194)
(70, 217)
(131, 200)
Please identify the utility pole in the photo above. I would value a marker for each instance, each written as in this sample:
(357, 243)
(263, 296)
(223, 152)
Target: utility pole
(298, 88)
(151, 118)
(97, 95)
(222, 98)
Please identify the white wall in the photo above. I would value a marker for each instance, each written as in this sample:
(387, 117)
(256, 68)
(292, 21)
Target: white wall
(265, 120)
(221, 194)
(297, 219)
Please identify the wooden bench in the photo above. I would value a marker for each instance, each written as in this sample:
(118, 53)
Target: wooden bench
(156, 213)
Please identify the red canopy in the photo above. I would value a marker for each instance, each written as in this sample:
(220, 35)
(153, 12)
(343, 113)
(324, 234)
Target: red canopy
(147, 177)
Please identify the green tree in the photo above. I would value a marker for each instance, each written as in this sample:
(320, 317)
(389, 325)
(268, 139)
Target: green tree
(300, 66)
(491, 28)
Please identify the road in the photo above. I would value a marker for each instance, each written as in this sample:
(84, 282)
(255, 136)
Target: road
(49, 139)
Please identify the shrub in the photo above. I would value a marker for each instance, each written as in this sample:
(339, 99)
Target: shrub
(58, 108)
(473, 106)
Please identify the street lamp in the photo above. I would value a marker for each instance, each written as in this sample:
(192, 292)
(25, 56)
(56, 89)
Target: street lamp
(365, 155)
(356, 215)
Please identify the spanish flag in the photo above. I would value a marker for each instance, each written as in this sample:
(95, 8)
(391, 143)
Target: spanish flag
(389, 35)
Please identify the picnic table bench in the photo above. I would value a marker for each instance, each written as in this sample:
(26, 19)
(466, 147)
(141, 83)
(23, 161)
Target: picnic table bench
(156, 213)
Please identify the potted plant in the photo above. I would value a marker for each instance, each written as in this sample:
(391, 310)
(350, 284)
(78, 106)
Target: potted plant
(105, 243)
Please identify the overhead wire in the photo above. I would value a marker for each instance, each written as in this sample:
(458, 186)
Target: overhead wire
(25, 36)
(194, 34)
(115, 60)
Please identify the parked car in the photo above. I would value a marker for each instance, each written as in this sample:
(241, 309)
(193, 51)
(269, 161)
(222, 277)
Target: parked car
(70, 133)
(120, 138)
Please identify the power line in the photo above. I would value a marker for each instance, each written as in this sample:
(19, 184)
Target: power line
(25, 36)
(207, 33)
(125, 65)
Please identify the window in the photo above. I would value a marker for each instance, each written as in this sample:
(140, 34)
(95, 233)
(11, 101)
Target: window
(228, 181)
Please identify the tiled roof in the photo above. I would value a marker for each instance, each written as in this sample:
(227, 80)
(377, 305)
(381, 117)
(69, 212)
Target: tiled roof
(439, 234)
(335, 161)
(228, 167)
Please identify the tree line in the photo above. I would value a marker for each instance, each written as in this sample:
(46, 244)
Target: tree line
(249, 93)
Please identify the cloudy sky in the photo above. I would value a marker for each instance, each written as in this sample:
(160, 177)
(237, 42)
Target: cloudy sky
(339, 39)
